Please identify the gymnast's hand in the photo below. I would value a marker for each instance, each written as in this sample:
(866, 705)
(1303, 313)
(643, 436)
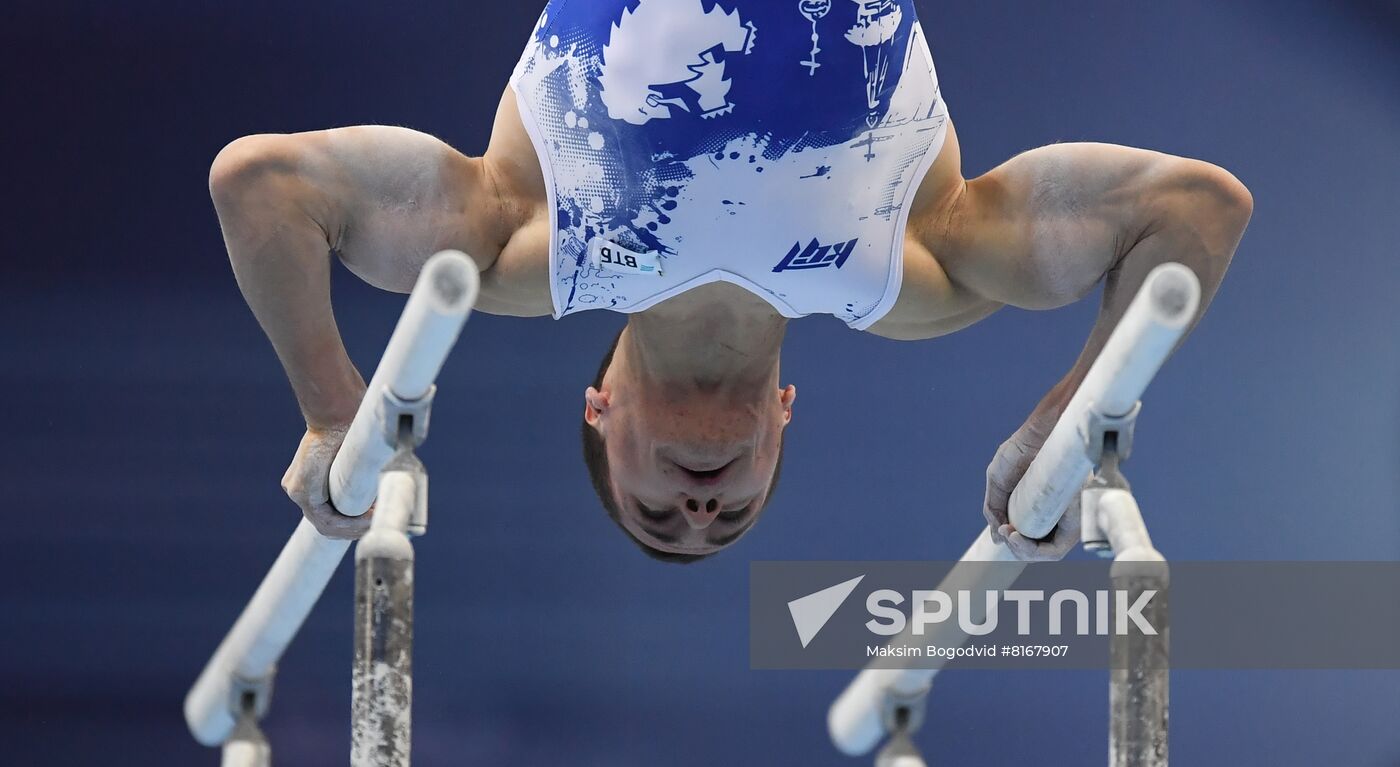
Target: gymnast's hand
(307, 483)
(1005, 472)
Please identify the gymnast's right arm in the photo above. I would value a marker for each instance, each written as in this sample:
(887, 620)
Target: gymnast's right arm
(382, 199)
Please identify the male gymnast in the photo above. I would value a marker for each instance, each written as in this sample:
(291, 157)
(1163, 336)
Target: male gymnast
(712, 169)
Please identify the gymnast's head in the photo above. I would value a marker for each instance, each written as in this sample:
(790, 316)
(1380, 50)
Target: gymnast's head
(684, 468)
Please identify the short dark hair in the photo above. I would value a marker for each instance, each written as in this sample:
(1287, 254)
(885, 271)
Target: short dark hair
(595, 456)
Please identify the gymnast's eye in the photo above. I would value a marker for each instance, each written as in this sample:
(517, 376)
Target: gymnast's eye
(653, 514)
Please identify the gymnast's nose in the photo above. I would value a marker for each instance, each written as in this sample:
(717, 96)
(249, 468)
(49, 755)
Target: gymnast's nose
(700, 512)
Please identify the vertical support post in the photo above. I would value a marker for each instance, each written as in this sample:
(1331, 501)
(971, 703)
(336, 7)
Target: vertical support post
(382, 678)
(900, 751)
(1139, 680)
(1139, 675)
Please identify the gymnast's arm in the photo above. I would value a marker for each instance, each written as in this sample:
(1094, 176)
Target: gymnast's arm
(1045, 228)
(383, 199)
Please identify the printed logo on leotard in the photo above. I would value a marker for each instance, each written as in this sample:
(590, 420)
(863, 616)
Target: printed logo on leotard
(816, 256)
(670, 55)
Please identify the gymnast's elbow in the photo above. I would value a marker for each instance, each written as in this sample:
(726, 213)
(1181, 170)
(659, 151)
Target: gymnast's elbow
(1207, 204)
(247, 164)
(259, 180)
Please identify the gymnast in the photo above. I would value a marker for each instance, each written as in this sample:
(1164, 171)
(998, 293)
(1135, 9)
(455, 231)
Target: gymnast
(711, 169)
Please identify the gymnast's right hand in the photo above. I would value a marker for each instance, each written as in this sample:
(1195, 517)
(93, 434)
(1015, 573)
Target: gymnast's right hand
(1004, 473)
(307, 483)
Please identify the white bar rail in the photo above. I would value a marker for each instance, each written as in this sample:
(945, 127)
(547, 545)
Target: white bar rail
(1158, 316)
(431, 321)
(1149, 330)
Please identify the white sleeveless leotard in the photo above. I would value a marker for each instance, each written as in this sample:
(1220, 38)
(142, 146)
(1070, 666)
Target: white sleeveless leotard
(773, 144)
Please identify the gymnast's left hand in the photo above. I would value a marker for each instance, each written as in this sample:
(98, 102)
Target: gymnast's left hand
(307, 483)
(1007, 468)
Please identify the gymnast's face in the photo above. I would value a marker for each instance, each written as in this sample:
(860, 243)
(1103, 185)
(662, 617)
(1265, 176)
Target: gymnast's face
(690, 470)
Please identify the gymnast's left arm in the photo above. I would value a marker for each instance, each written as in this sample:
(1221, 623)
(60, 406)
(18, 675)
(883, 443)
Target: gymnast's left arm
(1042, 230)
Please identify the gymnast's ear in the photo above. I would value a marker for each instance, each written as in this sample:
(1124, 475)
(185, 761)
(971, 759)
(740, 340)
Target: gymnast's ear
(595, 403)
(786, 397)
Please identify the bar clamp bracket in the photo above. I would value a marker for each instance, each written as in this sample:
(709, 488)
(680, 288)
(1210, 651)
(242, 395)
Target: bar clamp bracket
(406, 418)
(1109, 433)
(904, 712)
(1108, 441)
(250, 697)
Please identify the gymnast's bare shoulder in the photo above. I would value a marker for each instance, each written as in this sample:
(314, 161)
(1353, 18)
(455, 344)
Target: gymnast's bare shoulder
(932, 303)
(386, 198)
(1046, 227)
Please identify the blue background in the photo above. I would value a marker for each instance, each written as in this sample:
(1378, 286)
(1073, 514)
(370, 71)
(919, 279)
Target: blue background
(147, 423)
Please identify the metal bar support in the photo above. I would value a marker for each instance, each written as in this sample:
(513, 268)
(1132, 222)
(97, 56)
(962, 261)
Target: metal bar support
(381, 731)
(399, 394)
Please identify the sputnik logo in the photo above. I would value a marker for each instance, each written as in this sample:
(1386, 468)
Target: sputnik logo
(812, 612)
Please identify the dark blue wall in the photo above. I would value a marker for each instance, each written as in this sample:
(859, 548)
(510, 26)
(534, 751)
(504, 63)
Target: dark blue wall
(147, 424)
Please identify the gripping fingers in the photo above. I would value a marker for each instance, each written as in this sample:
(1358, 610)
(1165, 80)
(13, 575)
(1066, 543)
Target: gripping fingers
(333, 524)
(1005, 471)
(309, 492)
(307, 483)
(994, 509)
(1051, 548)
(308, 487)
